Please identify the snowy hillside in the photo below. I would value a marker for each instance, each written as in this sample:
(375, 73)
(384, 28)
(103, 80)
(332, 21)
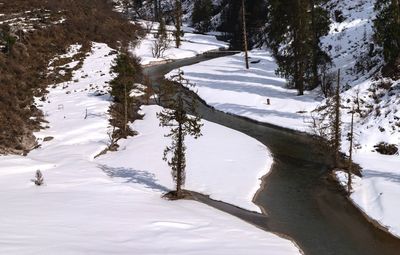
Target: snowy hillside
(378, 120)
(145, 10)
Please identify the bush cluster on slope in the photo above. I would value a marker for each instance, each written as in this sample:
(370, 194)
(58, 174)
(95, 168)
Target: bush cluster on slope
(23, 68)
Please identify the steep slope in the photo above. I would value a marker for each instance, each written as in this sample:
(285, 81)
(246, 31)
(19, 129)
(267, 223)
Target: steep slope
(377, 103)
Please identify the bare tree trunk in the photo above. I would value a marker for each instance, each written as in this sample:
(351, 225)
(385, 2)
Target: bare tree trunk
(298, 44)
(315, 79)
(350, 153)
(179, 166)
(337, 121)
(125, 109)
(245, 44)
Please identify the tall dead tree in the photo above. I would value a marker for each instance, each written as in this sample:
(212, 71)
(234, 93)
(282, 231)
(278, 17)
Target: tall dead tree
(315, 47)
(125, 109)
(244, 30)
(351, 138)
(337, 122)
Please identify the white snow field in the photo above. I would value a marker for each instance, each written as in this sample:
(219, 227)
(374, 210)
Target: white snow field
(113, 204)
(192, 45)
(225, 84)
(223, 163)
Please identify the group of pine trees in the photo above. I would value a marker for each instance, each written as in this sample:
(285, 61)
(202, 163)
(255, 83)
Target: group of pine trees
(293, 32)
(202, 15)
(231, 21)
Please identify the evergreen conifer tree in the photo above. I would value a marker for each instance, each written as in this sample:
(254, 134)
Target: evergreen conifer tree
(387, 32)
(202, 14)
(123, 109)
(178, 23)
(181, 124)
(294, 30)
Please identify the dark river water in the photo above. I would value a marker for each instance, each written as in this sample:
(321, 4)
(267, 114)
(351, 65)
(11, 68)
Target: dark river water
(298, 199)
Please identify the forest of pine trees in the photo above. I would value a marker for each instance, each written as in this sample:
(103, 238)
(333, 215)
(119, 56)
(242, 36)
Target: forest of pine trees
(202, 14)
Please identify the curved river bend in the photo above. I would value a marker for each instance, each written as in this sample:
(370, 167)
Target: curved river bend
(298, 199)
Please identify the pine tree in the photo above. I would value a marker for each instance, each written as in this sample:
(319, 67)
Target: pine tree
(387, 32)
(181, 124)
(202, 14)
(178, 22)
(326, 123)
(156, 5)
(129, 72)
(320, 27)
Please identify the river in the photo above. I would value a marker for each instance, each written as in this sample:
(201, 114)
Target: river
(298, 199)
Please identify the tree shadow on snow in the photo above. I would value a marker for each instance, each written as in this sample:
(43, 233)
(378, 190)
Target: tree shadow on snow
(130, 175)
(388, 176)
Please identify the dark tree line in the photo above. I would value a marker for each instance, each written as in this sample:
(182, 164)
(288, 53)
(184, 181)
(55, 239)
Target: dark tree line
(293, 32)
(256, 14)
(202, 14)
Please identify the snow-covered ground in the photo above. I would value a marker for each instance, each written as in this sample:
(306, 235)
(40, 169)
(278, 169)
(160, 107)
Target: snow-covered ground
(224, 163)
(192, 45)
(225, 84)
(113, 204)
(377, 192)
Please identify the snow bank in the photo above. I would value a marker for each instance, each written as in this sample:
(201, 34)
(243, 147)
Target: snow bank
(377, 192)
(223, 163)
(192, 45)
(225, 84)
(112, 205)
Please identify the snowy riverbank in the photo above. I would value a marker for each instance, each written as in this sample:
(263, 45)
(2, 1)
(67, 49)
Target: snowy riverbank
(192, 45)
(225, 84)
